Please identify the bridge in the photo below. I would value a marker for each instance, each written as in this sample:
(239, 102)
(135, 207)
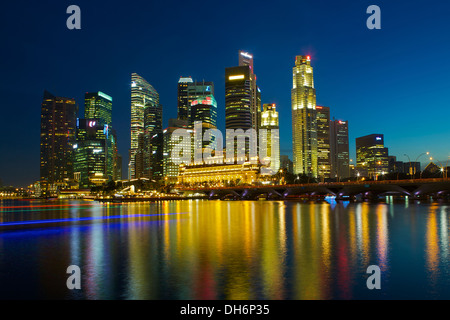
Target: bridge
(416, 189)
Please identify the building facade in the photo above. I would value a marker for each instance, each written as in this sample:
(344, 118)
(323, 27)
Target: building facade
(183, 104)
(58, 136)
(170, 168)
(304, 118)
(196, 90)
(372, 157)
(271, 140)
(98, 105)
(323, 142)
(340, 152)
(143, 95)
(95, 153)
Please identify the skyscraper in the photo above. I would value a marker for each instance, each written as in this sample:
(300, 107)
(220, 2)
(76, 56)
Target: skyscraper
(58, 127)
(270, 122)
(170, 169)
(94, 153)
(339, 149)
(304, 121)
(98, 105)
(196, 90)
(238, 98)
(151, 144)
(142, 96)
(372, 157)
(183, 105)
(323, 142)
(286, 163)
(204, 114)
(246, 59)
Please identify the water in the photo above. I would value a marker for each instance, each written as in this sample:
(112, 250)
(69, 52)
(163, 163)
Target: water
(224, 250)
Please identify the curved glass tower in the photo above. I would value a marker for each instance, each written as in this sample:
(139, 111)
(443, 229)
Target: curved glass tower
(142, 96)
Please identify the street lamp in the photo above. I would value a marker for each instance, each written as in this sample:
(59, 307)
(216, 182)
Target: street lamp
(443, 169)
(412, 171)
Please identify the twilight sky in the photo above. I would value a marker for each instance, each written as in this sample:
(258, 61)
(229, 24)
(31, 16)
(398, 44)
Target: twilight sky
(393, 81)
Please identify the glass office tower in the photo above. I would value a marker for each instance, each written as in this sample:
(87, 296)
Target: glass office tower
(304, 118)
(142, 96)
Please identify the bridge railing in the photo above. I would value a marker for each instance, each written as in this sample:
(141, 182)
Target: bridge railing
(323, 184)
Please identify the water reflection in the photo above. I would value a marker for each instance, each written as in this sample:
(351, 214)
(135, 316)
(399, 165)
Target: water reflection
(229, 250)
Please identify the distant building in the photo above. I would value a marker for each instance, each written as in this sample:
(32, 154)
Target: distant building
(411, 168)
(183, 105)
(195, 91)
(396, 166)
(432, 169)
(95, 153)
(339, 143)
(58, 129)
(98, 105)
(204, 114)
(286, 163)
(323, 141)
(143, 95)
(150, 146)
(371, 156)
(171, 169)
(270, 122)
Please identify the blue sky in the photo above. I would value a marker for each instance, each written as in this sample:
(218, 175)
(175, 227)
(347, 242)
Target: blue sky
(392, 81)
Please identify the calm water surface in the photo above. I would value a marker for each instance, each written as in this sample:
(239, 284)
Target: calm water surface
(197, 249)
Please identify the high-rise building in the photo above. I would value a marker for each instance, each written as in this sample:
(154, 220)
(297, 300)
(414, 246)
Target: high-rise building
(286, 163)
(270, 122)
(246, 59)
(339, 149)
(153, 142)
(372, 157)
(142, 96)
(238, 97)
(204, 114)
(94, 153)
(118, 167)
(58, 128)
(170, 169)
(323, 142)
(98, 105)
(183, 105)
(243, 101)
(304, 119)
(196, 90)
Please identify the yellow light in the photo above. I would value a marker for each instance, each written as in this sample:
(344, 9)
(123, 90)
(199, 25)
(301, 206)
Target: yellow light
(241, 76)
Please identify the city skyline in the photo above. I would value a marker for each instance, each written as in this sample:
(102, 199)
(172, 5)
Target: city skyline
(347, 98)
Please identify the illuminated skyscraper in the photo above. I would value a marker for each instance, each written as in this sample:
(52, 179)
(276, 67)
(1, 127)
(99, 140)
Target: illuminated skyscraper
(98, 105)
(246, 59)
(183, 105)
(196, 90)
(94, 153)
(204, 114)
(339, 149)
(170, 169)
(58, 127)
(323, 142)
(150, 146)
(142, 96)
(372, 157)
(270, 121)
(238, 98)
(304, 121)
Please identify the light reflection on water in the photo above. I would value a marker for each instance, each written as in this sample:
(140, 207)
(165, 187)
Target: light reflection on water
(229, 250)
